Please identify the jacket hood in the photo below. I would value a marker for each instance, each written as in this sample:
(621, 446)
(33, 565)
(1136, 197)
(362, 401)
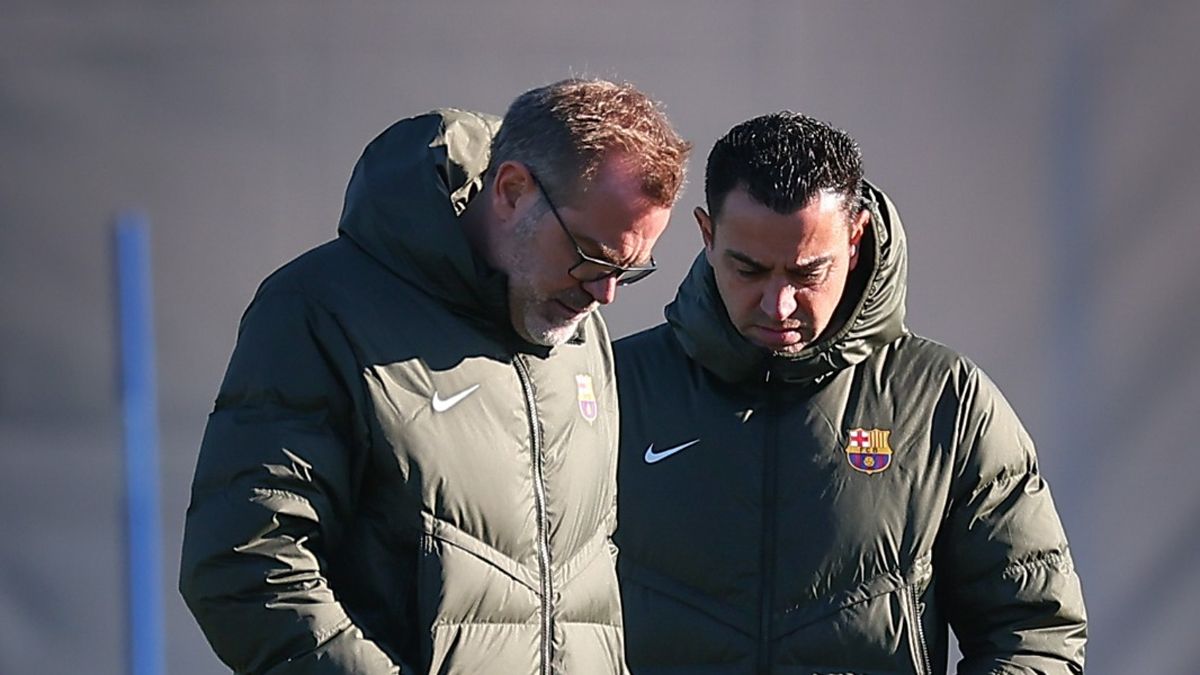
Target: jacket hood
(870, 314)
(404, 199)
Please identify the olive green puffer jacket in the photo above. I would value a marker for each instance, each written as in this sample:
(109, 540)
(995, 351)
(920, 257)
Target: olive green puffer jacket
(391, 481)
(834, 512)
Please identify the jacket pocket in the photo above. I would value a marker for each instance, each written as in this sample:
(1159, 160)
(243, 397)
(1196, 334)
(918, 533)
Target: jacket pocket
(469, 594)
(876, 626)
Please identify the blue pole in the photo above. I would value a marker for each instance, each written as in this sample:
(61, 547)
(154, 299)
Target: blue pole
(138, 382)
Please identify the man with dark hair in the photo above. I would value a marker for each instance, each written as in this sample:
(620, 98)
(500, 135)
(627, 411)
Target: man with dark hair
(804, 485)
(411, 463)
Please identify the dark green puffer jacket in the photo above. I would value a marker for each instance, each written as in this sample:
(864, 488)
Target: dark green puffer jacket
(832, 512)
(391, 480)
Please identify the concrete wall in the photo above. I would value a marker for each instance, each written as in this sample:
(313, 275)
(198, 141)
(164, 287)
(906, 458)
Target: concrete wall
(1042, 155)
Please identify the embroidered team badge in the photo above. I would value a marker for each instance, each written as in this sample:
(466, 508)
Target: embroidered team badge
(588, 407)
(868, 450)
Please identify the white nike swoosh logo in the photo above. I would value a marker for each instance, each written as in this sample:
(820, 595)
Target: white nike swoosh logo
(652, 456)
(443, 404)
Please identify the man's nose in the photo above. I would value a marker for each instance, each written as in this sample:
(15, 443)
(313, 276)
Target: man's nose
(779, 301)
(602, 290)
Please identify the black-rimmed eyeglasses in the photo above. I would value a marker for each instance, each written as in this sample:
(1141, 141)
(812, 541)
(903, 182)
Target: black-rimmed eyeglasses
(590, 269)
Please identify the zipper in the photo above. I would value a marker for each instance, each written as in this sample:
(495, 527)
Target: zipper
(539, 498)
(917, 609)
(767, 563)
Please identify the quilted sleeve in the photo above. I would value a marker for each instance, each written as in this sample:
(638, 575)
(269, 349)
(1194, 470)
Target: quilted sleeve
(1013, 597)
(274, 484)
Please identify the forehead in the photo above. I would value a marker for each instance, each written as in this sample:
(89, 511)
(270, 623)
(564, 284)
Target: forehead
(749, 227)
(615, 217)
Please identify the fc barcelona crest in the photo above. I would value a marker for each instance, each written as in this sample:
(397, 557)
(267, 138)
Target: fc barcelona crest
(868, 450)
(588, 406)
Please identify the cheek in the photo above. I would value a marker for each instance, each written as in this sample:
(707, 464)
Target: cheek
(824, 304)
(540, 261)
(742, 300)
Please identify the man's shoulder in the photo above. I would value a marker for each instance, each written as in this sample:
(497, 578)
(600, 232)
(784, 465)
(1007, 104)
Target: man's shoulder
(309, 270)
(332, 274)
(652, 342)
(652, 359)
(340, 282)
(653, 335)
(921, 363)
(916, 352)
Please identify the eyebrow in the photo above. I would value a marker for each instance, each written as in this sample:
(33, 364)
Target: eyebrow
(805, 267)
(744, 259)
(608, 253)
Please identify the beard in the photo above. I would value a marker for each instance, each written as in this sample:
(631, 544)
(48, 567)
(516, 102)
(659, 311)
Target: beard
(535, 313)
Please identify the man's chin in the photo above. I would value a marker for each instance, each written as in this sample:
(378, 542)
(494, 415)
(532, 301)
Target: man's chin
(546, 322)
(550, 334)
(552, 337)
(783, 350)
(790, 350)
(779, 343)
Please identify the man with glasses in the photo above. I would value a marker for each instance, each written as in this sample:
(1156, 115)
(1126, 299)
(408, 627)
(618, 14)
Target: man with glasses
(545, 310)
(411, 463)
(805, 486)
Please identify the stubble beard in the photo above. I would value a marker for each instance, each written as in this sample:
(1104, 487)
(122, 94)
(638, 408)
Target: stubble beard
(526, 304)
(807, 338)
(791, 350)
(525, 300)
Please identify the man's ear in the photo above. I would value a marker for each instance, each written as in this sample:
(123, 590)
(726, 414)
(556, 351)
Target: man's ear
(861, 223)
(706, 226)
(512, 180)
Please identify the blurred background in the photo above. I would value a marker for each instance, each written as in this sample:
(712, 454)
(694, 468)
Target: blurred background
(1040, 153)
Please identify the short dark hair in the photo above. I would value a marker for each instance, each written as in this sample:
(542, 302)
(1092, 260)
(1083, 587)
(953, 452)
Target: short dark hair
(783, 160)
(566, 130)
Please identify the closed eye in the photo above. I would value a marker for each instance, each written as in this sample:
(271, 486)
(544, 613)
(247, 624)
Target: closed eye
(812, 277)
(745, 266)
(812, 273)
